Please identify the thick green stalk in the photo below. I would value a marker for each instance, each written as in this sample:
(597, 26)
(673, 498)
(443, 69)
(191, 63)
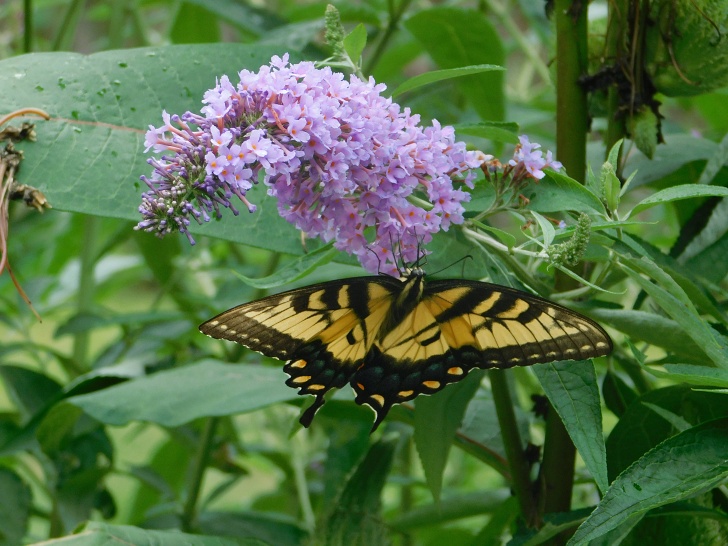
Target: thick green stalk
(189, 512)
(520, 469)
(572, 124)
(572, 116)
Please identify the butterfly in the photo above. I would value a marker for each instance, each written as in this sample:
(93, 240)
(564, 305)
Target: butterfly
(394, 338)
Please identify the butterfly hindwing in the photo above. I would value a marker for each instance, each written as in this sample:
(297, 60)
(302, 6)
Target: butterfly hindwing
(323, 331)
(394, 339)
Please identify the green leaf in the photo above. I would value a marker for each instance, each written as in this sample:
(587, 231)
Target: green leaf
(355, 42)
(56, 425)
(100, 108)
(573, 391)
(557, 192)
(457, 38)
(103, 534)
(617, 394)
(711, 342)
(677, 193)
(15, 504)
(437, 419)
(681, 466)
(293, 270)
(355, 519)
(31, 391)
(453, 508)
(440, 75)
(267, 527)
(177, 396)
(497, 131)
(693, 374)
(641, 429)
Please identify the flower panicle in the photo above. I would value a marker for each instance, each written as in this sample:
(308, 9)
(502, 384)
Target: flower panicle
(343, 162)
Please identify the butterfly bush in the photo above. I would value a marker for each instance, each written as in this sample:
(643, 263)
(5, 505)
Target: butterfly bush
(343, 162)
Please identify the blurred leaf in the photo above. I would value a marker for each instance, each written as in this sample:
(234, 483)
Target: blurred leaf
(295, 269)
(689, 462)
(558, 193)
(693, 374)
(440, 75)
(677, 193)
(452, 508)
(553, 525)
(268, 528)
(573, 391)
(56, 425)
(457, 38)
(617, 394)
(103, 534)
(77, 496)
(437, 419)
(111, 98)
(31, 391)
(15, 505)
(494, 130)
(193, 24)
(177, 396)
(640, 428)
(355, 518)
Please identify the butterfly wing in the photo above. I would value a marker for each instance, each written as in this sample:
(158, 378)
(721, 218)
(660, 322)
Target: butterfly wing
(323, 331)
(459, 325)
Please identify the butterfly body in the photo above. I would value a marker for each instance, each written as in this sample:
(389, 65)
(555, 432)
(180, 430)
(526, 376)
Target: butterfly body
(393, 339)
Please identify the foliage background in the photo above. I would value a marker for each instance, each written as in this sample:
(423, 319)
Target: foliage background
(120, 421)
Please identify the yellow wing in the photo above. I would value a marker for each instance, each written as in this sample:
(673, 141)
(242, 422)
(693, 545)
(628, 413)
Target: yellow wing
(460, 325)
(324, 331)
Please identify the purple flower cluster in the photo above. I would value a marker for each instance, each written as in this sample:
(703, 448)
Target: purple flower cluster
(528, 157)
(343, 162)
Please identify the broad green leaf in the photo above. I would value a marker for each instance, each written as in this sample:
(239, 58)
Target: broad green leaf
(293, 270)
(444, 414)
(681, 466)
(177, 396)
(457, 38)
(547, 228)
(677, 193)
(711, 262)
(573, 391)
(355, 519)
(355, 41)
(440, 75)
(557, 192)
(89, 156)
(193, 24)
(15, 505)
(640, 428)
(103, 534)
(492, 130)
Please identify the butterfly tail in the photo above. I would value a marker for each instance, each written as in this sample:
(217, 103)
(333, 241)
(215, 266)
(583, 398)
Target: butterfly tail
(308, 415)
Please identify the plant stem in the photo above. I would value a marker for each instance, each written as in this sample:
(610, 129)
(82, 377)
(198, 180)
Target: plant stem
(395, 14)
(572, 116)
(520, 470)
(86, 290)
(189, 512)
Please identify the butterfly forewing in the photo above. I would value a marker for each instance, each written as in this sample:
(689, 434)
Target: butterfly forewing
(393, 339)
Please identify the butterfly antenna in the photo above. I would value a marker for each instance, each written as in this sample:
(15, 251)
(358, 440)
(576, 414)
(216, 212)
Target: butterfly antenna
(466, 257)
